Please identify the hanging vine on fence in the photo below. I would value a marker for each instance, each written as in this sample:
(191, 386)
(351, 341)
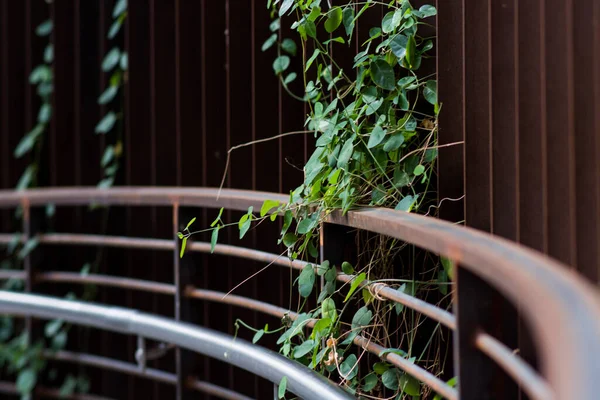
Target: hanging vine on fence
(375, 126)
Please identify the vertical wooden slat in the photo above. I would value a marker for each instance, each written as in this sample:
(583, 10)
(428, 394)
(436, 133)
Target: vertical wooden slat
(451, 84)
(505, 120)
(532, 123)
(586, 136)
(560, 131)
(478, 117)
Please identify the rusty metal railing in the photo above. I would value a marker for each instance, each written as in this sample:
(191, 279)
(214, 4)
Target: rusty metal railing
(561, 309)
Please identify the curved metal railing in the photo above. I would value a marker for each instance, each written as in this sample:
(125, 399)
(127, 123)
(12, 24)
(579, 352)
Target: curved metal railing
(562, 310)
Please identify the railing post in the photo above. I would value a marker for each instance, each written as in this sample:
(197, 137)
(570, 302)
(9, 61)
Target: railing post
(184, 359)
(26, 226)
(478, 306)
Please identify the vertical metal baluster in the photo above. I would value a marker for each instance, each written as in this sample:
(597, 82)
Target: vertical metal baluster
(478, 306)
(26, 226)
(178, 292)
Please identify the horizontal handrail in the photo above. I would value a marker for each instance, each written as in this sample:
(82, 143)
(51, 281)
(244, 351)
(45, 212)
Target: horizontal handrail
(382, 290)
(562, 309)
(260, 361)
(150, 373)
(244, 302)
(533, 384)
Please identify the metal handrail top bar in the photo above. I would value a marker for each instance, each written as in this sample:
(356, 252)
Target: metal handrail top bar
(260, 361)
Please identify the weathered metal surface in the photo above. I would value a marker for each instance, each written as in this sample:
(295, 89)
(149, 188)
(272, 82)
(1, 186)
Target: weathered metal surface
(531, 382)
(260, 361)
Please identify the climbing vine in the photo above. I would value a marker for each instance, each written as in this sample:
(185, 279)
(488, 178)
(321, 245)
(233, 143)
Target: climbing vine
(18, 354)
(375, 129)
(115, 62)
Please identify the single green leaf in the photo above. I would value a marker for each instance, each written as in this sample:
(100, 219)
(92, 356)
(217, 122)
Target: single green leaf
(290, 78)
(312, 59)
(419, 169)
(245, 223)
(390, 379)
(306, 347)
(430, 92)
(106, 123)
(389, 23)
(183, 244)
(28, 247)
(380, 368)
(108, 95)
(39, 74)
(306, 281)
(280, 64)
(267, 206)
(49, 54)
(334, 19)
(345, 154)
(328, 309)
(285, 7)
(120, 7)
(376, 136)
(52, 327)
(347, 268)
(214, 237)
(124, 61)
(257, 336)
(275, 25)
(369, 382)
(289, 46)
(448, 265)
(45, 113)
(269, 42)
(26, 178)
(216, 221)
(28, 141)
(393, 351)
(409, 385)
(26, 381)
(190, 223)
(44, 28)
(289, 239)
(427, 11)
(114, 29)
(348, 20)
(315, 12)
(406, 203)
(394, 142)
(111, 59)
(355, 284)
(68, 387)
(282, 388)
(411, 48)
(108, 156)
(383, 74)
(349, 367)
(307, 225)
(180, 235)
(398, 46)
(362, 318)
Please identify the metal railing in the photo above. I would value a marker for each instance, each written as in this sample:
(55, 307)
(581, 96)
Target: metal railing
(561, 309)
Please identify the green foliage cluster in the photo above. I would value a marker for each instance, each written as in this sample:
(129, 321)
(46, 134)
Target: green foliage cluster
(375, 126)
(42, 76)
(115, 62)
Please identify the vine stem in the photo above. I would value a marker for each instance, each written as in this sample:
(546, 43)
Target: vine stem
(239, 146)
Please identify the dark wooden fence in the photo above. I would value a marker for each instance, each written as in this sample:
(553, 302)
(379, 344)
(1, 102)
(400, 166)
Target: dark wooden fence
(519, 82)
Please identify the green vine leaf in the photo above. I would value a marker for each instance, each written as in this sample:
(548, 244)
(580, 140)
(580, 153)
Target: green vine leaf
(334, 19)
(106, 123)
(280, 64)
(111, 59)
(183, 244)
(383, 74)
(108, 95)
(45, 28)
(430, 92)
(376, 137)
(306, 281)
(214, 237)
(282, 388)
(355, 284)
